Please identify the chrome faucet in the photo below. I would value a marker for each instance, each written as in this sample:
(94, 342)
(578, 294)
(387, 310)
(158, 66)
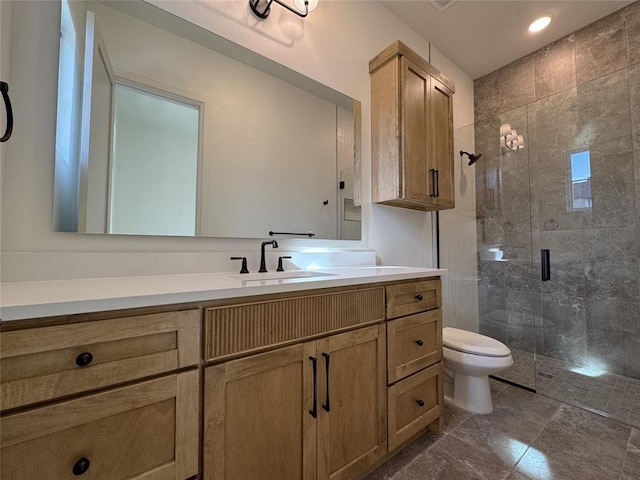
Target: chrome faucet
(263, 264)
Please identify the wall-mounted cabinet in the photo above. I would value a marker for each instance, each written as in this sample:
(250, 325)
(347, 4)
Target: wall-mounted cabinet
(412, 131)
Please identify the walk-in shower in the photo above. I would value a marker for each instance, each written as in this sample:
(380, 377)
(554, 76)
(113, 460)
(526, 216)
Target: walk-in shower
(574, 190)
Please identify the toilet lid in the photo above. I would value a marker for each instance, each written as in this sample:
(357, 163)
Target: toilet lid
(470, 342)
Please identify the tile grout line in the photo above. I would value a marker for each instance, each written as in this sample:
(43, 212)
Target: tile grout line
(546, 423)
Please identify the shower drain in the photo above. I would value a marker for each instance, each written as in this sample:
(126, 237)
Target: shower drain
(542, 374)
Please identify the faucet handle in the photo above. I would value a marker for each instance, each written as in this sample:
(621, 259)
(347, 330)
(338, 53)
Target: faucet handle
(244, 268)
(280, 267)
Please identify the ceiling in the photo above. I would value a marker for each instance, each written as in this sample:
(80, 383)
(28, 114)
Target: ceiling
(480, 36)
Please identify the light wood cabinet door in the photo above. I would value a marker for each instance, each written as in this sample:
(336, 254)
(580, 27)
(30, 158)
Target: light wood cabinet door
(352, 418)
(415, 85)
(258, 417)
(144, 431)
(313, 410)
(441, 156)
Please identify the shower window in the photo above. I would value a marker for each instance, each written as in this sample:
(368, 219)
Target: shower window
(579, 184)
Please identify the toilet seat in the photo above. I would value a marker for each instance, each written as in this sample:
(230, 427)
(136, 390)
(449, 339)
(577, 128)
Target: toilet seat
(473, 343)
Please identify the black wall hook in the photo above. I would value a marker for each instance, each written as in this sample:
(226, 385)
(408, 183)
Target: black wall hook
(4, 88)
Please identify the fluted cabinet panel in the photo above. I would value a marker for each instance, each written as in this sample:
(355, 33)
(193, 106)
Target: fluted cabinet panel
(250, 326)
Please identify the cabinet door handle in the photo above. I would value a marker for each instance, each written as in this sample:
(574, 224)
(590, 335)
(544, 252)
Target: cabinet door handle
(327, 405)
(314, 409)
(420, 403)
(4, 89)
(420, 342)
(84, 359)
(435, 190)
(81, 466)
(419, 297)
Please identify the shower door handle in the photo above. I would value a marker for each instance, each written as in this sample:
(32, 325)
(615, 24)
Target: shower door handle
(545, 264)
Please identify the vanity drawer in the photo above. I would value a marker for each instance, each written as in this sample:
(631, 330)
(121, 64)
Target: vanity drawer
(45, 363)
(142, 431)
(413, 343)
(249, 327)
(414, 403)
(407, 298)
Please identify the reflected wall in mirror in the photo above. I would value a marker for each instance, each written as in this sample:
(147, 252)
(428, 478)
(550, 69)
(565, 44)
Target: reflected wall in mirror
(167, 129)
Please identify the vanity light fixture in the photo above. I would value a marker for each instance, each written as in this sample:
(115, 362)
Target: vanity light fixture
(510, 139)
(539, 24)
(262, 8)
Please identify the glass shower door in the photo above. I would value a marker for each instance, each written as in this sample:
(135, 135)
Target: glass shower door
(584, 211)
(506, 268)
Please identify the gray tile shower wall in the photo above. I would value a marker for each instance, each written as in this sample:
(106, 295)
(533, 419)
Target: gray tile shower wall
(578, 94)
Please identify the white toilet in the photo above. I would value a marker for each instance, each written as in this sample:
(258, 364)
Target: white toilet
(469, 359)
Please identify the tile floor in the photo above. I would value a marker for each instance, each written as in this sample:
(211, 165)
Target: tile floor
(612, 394)
(527, 437)
(523, 370)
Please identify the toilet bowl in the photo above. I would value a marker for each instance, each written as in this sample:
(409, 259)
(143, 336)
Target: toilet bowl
(469, 358)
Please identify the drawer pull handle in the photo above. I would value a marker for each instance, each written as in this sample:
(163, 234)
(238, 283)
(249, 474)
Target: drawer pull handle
(420, 403)
(420, 342)
(84, 359)
(81, 466)
(419, 297)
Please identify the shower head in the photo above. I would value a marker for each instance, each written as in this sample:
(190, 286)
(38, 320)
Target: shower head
(473, 158)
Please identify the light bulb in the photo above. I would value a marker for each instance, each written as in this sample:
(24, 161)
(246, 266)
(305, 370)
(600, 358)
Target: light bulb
(540, 24)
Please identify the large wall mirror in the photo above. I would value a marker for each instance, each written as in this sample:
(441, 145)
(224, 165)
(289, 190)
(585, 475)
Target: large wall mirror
(164, 128)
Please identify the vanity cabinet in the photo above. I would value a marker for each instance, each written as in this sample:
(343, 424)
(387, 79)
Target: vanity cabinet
(109, 398)
(412, 131)
(318, 384)
(414, 360)
(316, 409)
(312, 410)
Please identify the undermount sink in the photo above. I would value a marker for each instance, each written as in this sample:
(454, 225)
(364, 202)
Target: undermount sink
(281, 275)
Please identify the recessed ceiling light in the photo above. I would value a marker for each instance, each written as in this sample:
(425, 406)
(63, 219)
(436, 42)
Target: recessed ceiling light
(540, 24)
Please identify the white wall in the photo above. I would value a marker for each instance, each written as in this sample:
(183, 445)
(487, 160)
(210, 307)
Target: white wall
(6, 22)
(333, 45)
(155, 165)
(458, 226)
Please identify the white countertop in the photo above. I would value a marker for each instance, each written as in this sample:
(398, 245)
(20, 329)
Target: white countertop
(23, 300)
